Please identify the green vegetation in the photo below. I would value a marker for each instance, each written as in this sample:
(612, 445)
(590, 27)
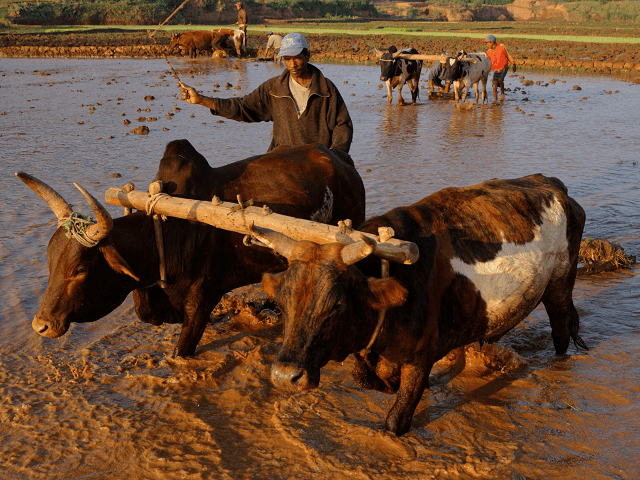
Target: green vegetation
(604, 10)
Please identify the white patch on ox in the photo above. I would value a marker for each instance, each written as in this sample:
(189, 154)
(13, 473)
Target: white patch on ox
(513, 283)
(326, 211)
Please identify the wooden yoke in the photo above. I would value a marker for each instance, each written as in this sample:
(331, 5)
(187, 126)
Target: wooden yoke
(227, 216)
(430, 58)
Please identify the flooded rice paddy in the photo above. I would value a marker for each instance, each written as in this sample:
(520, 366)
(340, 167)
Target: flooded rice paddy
(107, 400)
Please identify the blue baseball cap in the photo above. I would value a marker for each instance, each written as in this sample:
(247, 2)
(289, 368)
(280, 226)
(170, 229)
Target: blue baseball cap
(292, 44)
(489, 39)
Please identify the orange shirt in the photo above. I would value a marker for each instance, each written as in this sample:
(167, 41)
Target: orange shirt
(499, 57)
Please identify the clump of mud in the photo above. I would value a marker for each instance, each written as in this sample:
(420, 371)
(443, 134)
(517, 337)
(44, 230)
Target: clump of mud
(248, 306)
(598, 255)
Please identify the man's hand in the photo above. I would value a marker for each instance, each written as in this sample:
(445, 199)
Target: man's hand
(189, 94)
(513, 69)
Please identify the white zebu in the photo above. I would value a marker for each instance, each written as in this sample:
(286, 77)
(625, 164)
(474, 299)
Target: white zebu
(472, 74)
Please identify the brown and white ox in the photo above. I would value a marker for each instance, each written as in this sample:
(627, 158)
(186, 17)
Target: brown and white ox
(89, 280)
(396, 72)
(236, 36)
(489, 254)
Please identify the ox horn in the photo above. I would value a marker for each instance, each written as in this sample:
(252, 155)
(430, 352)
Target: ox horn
(355, 252)
(100, 230)
(55, 201)
(274, 240)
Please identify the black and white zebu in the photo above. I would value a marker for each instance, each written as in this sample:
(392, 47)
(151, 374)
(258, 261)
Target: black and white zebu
(396, 72)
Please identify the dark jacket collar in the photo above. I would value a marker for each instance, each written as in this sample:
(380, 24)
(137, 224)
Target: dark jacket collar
(318, 84)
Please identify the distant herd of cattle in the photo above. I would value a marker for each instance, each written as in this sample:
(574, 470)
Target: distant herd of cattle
(489, 254)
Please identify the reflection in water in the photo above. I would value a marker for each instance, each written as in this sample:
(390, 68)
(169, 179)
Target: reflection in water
(107, 401)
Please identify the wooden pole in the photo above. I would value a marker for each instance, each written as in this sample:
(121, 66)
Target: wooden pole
(226, 216)
(430, 58)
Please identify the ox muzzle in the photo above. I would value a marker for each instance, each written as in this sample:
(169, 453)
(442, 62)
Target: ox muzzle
(47, 328)
(293, 376)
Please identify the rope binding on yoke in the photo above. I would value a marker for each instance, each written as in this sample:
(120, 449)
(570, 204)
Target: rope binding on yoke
(76, 226)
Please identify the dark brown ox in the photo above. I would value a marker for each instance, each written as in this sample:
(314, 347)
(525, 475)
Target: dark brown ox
(203, 262)
(489, 254)
(197, 40)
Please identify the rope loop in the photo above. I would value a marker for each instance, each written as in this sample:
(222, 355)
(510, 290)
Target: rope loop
(76, 226)
(151, 203)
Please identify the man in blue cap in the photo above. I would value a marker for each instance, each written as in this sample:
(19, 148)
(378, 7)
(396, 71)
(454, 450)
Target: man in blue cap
(304, 106)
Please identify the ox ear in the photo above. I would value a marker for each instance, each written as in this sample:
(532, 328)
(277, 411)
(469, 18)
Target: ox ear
(115, 260)
(385, 293)
(270, 282)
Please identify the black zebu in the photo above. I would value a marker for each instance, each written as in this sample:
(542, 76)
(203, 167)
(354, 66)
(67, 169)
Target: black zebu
(87, 282)
(489, 254)
(396, 72)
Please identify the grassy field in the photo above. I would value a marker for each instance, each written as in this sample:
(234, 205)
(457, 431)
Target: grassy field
(605, 33)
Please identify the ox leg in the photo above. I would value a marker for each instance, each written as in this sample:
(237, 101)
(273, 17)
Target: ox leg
(389, 92)
(456, 91)
(198, 305)
(414, 90)
(413, 381)
(372, 372)
(475, 88)
(484, 89)
(400, 99)
(563, 316)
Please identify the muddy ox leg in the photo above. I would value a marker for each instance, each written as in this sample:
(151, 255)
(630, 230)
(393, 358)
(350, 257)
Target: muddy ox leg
(372, 372)
(389, 92)
(413, 86)
(400, 99)
(413, 381)
(563, 316)
(475, 88)
(484, 89)
(198, 305)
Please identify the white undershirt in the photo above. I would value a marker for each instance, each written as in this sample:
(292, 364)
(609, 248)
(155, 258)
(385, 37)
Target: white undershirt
(300, 95)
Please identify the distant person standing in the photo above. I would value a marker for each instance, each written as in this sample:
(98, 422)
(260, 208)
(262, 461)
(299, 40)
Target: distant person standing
(500, 60)
(242, 21)
(273, 46)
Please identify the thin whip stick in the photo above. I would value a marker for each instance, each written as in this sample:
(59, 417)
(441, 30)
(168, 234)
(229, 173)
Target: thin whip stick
(158, 46)
(169, 17)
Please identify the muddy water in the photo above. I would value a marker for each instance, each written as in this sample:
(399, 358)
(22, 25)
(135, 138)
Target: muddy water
(108, 401)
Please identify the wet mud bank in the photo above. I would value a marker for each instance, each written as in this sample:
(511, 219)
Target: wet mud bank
(571, 56)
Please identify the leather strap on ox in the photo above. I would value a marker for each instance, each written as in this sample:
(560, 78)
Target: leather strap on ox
(155, 190)
(385, 233)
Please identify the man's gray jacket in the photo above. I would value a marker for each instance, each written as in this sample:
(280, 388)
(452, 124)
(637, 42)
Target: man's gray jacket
(326, 119)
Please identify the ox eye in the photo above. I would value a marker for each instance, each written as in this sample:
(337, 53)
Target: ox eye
(80, 270)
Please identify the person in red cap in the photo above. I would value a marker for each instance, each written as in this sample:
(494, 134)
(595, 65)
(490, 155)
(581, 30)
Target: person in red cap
(500, 60)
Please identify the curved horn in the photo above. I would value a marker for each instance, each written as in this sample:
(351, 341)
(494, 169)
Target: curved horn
(55, 201)
(100, 230)
(274, 240)
(357, 251)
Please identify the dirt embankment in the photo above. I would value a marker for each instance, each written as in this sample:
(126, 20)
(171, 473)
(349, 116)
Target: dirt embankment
(605, 58)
